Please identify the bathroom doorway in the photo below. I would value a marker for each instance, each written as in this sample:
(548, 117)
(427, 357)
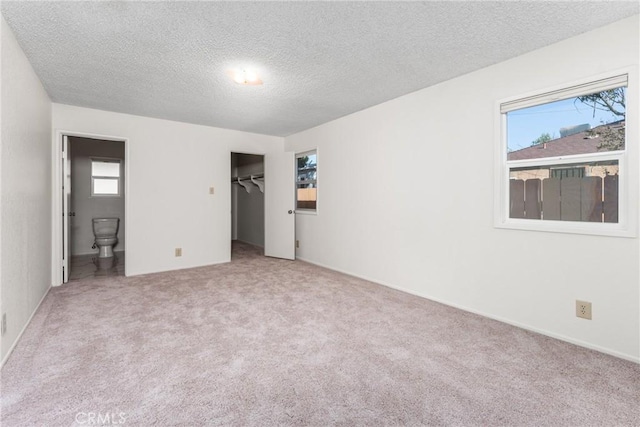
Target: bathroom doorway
(247, 204)
(93, 200)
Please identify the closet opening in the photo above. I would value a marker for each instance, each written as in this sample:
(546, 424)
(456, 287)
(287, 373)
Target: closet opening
(247, 204)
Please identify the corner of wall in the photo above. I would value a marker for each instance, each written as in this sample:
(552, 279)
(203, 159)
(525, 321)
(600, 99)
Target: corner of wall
(26, 193)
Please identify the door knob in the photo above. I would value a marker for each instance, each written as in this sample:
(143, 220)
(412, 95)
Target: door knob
(290, 211)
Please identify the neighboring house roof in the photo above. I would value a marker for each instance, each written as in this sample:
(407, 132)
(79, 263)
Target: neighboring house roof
(578, 143)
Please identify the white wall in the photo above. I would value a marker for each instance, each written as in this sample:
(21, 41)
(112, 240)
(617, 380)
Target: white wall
(395, 205)
(25, 213)
(248, 208)
(83, 204)
(170, 167)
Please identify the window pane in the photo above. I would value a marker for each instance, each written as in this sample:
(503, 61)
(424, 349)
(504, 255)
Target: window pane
(586, 192)
(107, 186)
(306, 205)
(307, 168)
(105, 168)
(306, 182)
(586, 124)
(306, 197)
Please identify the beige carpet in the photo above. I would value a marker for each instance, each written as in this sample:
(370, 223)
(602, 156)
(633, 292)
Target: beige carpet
(262, 341)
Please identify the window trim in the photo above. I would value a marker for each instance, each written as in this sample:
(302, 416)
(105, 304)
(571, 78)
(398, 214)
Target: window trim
(94, 177)
(627, 224)
(306, 211)
(567, 92)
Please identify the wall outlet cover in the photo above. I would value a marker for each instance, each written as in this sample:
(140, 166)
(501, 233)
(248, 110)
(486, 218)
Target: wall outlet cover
(178, 251)
(583, 309)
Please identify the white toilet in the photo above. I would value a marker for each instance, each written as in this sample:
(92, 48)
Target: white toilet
(105, 231)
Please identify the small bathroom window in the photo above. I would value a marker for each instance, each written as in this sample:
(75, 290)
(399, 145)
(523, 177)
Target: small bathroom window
(105, 177)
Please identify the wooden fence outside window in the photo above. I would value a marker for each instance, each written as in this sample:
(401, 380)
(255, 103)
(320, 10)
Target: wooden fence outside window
(587, 199)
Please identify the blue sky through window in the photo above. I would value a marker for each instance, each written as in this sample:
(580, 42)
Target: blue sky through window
(527, 124)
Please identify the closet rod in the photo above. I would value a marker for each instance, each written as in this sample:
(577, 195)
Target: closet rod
(257, 175)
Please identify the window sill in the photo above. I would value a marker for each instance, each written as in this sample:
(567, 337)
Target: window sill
(593, 229)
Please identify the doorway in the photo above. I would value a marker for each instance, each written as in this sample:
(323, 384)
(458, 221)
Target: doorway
(93, 200)
(247, 203)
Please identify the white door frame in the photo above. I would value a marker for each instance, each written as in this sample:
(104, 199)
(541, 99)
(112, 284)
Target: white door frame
(231, 207)
(56, 199)
(66, 208)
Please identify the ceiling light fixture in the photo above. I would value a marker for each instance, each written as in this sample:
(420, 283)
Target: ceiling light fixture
(246, 77)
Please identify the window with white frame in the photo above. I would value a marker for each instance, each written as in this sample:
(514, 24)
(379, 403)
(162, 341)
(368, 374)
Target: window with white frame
(105, 177)
(307, 181)
(563, 157)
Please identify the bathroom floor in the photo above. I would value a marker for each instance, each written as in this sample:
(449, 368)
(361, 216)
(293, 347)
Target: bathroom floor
(89, 266)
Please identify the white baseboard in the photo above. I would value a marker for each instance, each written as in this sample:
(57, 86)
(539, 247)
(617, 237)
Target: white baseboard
(13, 346)
(167, 270)
(560, 337)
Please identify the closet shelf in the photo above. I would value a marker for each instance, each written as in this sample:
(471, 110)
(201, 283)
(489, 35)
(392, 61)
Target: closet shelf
(257, 175)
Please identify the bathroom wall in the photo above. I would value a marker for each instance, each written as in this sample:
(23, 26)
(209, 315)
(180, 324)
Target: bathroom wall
(248, 208)
(25, 188)
(234, 198)
(83, 204)
(171, 167)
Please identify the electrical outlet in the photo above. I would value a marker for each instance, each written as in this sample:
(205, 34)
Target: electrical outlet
(583, 309)
(297, 244)
(178, 251)
(212, 190)
(4, 323)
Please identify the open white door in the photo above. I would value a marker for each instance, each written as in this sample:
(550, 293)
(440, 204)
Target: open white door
(66, 202)
(279, 205)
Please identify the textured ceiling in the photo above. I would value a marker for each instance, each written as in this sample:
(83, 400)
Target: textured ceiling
(318, 60)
